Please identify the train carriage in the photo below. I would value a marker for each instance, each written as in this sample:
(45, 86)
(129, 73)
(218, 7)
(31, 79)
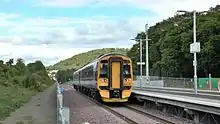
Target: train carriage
(109, 78)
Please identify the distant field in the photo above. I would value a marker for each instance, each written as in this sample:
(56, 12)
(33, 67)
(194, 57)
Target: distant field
(12, 98)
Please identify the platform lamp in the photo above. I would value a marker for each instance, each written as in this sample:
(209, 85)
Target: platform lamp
(141, 62)
(194, 47)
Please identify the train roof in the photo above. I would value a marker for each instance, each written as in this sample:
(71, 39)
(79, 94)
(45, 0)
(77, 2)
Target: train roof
(85, 66)
(108, 54)
(98, 58)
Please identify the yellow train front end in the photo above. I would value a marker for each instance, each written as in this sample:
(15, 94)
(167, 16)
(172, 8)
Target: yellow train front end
(115, 78)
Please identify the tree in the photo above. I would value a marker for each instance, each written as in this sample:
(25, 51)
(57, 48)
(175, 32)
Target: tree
(10, 62)
(33, 76)
(169, 53)
(65, 75)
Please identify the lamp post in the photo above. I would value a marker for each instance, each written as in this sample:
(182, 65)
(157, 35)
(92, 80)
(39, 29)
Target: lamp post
(140, 63)
(147, 58)
(194, 48)
(141, 58)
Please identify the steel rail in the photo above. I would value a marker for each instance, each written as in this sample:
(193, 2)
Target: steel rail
(150, 115)
(121, 116)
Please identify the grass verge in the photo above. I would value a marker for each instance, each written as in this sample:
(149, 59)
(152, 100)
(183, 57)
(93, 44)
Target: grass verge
(12, 98)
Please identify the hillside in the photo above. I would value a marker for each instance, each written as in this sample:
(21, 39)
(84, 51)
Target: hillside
(169, 47)
(81, 59)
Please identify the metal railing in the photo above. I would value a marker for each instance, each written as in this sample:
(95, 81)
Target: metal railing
(60, 117)
(156, 81)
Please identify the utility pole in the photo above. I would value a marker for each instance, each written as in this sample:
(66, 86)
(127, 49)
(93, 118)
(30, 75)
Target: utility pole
(195, 60)
(141, 57)
(141, 61)
(194, 48)
(147, 58)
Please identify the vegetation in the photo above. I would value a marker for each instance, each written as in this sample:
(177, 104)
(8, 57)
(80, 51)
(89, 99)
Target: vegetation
(64, 75)
(79, 60)
(18, 82)
(68, 66)
(169, 49)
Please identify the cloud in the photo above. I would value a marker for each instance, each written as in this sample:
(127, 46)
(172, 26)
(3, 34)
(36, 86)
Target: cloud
(52, 39)
(71, 3)
(74, 32)
(8, 16)
(164, 8)
(30, 53)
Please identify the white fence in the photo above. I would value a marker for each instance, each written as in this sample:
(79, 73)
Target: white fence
(62, 112)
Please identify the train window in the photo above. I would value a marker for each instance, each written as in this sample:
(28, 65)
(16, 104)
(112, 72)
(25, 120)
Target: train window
(90, 73)
(104, 70)
(96, 75)
(87, 76)
(126, 71)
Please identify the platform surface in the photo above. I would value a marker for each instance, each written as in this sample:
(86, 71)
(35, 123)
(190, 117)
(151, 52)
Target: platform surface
(182, 98)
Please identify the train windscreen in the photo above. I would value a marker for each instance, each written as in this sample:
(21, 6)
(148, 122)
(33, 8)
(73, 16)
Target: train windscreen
(126, 69)
(104, 69)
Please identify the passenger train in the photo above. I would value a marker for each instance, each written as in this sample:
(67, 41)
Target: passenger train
(109, 78)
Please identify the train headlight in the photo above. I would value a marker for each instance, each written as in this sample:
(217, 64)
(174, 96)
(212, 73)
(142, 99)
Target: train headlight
(126, 80)
(104, 81)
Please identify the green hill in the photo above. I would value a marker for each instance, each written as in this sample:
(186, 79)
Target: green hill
(81, 59)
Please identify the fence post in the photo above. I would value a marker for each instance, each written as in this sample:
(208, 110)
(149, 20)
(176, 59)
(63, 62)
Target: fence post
(210, 82)
(219, 85)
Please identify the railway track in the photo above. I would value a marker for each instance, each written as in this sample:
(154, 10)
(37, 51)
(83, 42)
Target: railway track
(126, 118)
(156, 117)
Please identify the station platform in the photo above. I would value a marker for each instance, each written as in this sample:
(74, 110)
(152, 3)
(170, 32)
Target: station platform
(188, 90)
(202, 103)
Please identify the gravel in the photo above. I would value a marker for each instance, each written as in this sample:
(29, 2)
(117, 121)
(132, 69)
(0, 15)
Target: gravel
(139, 118)
(83, 110)
(177, 120)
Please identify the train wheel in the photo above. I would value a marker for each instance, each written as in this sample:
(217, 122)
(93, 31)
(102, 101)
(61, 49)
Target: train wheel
(80, 89)
(87, 91)
(98, 96)
(93, 93)
(83, 90)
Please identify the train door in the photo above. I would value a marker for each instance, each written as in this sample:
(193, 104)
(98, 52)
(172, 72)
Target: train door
(116, 79)
(116, 75)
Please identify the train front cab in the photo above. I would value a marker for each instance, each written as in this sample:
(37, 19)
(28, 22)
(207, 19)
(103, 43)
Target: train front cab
(115, 79)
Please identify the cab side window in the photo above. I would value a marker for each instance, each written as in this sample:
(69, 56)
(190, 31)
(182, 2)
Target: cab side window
(126, 69)
(104, 69)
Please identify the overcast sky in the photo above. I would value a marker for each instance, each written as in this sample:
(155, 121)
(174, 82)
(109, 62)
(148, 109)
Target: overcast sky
(53, 30)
